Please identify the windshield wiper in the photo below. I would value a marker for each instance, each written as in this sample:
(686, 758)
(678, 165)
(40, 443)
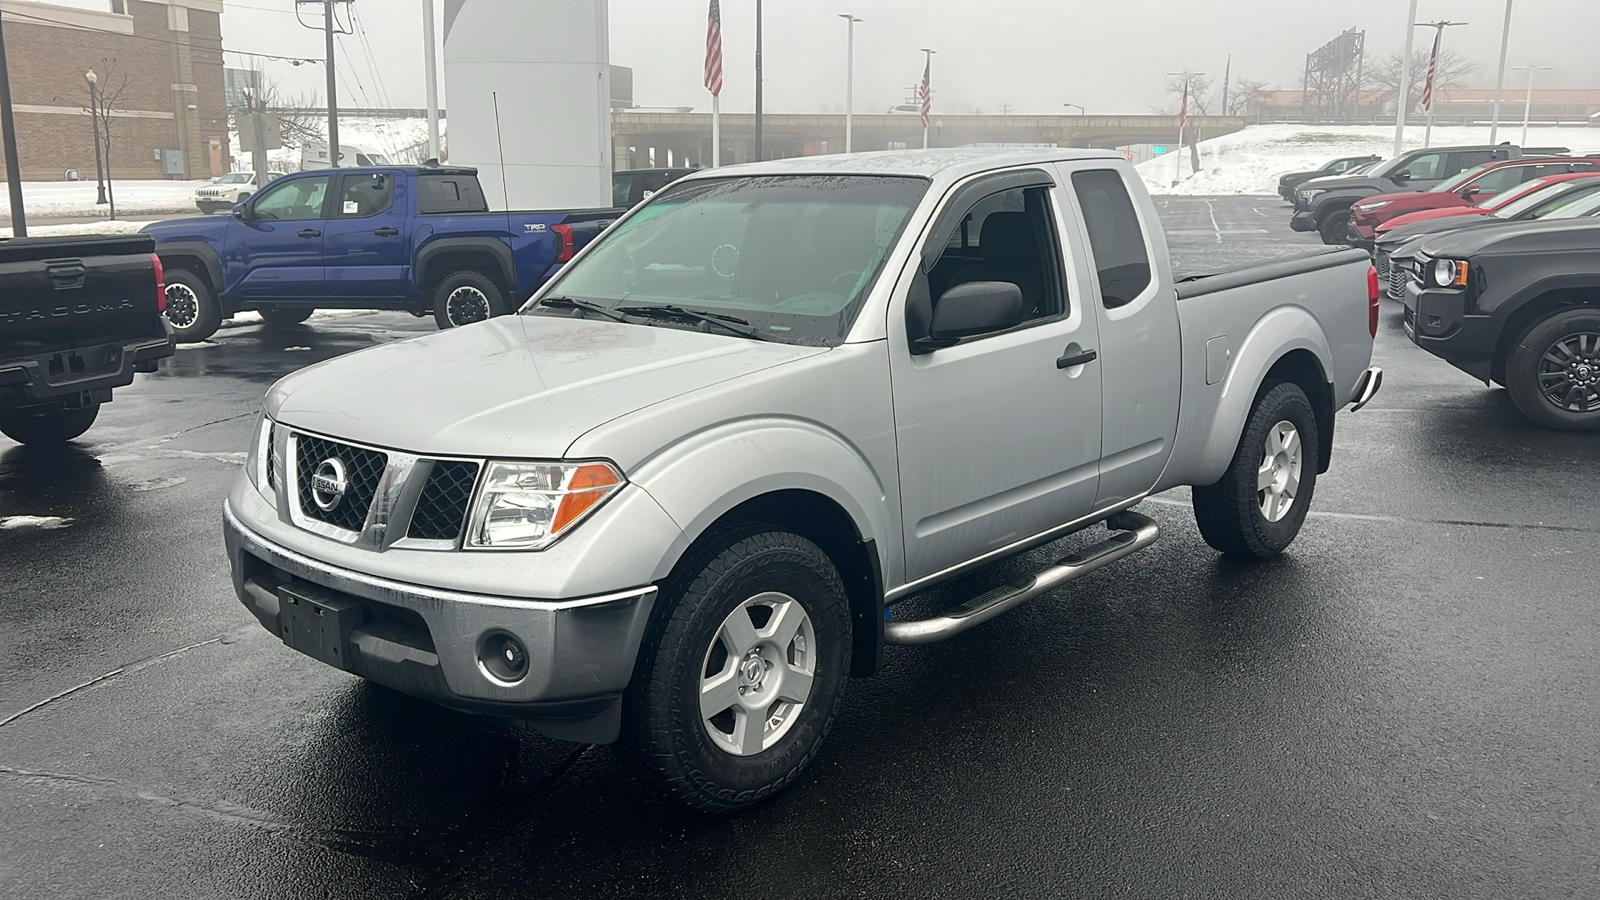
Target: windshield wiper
(584, 305)
(728, 323)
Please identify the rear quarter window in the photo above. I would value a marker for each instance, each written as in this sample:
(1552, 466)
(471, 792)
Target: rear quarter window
(449, 194)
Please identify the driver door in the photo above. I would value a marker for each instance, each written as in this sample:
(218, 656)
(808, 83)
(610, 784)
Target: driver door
(275, 252)
(998, 437)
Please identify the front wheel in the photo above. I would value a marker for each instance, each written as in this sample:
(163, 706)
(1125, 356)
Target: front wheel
(1335, 227)
(47, 426)
(284, 316)
(465, 297)
(1256, 510)
(192, 309)
(1553, 372)
(742, 670)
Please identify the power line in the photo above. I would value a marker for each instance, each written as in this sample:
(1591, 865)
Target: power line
(295, 60)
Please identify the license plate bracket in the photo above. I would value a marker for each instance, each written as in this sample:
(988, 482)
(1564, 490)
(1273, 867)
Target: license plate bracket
(317, 622)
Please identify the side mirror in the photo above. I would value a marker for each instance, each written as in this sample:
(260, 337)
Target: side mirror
(241, 212)
(1470, 191)
(1401, 177)
(978, 307)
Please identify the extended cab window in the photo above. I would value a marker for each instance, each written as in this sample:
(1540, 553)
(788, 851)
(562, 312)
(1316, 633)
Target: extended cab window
(292, 201)
(449, 194)
(1121, 259)
(1007, 236)
(365, 195)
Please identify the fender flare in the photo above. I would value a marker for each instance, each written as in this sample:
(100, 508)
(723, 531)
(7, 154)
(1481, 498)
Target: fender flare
(428, 255)
(208, 256)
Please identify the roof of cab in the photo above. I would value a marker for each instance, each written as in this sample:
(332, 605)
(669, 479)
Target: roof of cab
(934, 164)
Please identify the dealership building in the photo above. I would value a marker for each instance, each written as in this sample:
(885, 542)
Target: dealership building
(156, 63)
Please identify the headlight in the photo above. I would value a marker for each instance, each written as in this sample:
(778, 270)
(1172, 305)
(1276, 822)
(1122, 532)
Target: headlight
(1308, 196)
(1449, 273)
(1370, 207)
(528, 506)
(258, 459)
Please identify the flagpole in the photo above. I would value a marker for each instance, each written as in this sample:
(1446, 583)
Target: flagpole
(716, 131)
(760, 154)
(927, 92)
(1432, 87)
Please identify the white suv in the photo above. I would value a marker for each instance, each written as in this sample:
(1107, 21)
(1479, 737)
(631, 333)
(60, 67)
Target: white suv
(229, 191)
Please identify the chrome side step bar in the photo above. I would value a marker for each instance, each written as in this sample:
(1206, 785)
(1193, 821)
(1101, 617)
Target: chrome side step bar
(1135, 532)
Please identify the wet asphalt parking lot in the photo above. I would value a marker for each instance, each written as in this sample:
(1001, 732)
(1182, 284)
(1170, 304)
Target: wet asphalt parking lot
(1403, 705)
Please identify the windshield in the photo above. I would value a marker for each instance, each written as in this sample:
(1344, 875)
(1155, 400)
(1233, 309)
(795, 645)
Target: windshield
(1460, 181)
(1363, 169)
(235, 178)
(792, 255)
(1544, 199)
(1516, 195)
(1586, 203)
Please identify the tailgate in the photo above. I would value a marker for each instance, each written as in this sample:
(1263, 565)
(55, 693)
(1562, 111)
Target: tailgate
(77, 291)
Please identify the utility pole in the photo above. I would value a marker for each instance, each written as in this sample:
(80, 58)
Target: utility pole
(1500, 79)
(8, 125)
(760, 155)
(333, 89)
(1527, 106)
(429, 56)
(849, 74)
(1403, 102)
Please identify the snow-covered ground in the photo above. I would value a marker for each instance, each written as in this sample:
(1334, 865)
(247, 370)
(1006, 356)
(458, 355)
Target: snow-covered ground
(91, 226)
(1250, 161)
(43, 199)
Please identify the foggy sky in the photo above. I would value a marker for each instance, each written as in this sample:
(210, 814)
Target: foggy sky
(1107, 55)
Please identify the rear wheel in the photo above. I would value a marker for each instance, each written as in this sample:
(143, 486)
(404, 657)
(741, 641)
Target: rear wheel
(47, 425)
(465, 297)
(284, 316)
(743, 669)
(1256, 510)
(1335, 227)
(1553, 372)
(192, 309)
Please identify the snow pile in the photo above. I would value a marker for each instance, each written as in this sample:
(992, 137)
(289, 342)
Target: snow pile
(1250, 161)
(45, 199)
(89, 226)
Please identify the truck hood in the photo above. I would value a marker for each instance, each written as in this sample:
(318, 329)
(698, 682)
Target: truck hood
(1342, 183)
(188, 228)
(511, 387)
(1446, 219)
(1538, 236)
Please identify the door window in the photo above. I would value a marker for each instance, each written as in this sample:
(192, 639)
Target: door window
(1467, 159)
(1121, 258)
(365, 195)
(1007, 236)
(622, 189)
(292, 201)
(1496, 180)
(1430, 166)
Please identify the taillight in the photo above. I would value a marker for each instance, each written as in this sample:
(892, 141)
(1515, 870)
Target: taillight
(565, 233)
(1372, 301)
(161, 284)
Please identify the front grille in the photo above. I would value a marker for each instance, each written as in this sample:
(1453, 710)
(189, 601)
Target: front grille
(1381, 260)
(1398, 276)
(272, 457)
(442, 508)
(363, 469)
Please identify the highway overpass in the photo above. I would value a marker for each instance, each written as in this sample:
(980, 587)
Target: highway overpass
(687, 135)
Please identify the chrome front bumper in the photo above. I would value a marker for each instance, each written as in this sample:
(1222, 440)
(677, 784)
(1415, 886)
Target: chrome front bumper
(429, 642)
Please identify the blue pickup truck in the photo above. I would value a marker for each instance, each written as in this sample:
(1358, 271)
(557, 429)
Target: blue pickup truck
(420, 239)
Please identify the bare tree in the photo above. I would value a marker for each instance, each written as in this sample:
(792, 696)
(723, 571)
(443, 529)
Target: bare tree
(1453, 68)
(103, 96)
(1246, 95)
(300, 124)
(1199, 93)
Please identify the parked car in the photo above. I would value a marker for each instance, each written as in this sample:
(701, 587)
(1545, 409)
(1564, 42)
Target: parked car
(420, 239)
(630, 187)
(1324, 207)
(677, 496)
(229, 191)
(1287, 183)
(1469, 188)
(78, 317)
(1513, 305)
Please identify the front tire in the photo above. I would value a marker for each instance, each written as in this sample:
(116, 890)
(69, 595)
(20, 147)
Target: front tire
(1553, 372)
(47, 426)
(285, 316)
(743, 669)
(1335, 227)
(1256, 510)
(465, 297)
(192, 309)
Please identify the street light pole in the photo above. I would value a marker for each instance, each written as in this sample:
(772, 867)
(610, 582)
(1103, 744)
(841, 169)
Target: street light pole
(849, 74)
(1081, 110)
(1527, 106)
(1403, 102)
(1500, 79)
(94, 118)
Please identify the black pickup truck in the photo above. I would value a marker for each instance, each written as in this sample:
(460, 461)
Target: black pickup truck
(78, 317)
(1519, 305)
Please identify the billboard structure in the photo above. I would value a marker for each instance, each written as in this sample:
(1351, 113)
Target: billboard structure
(528, 86)
(1332, 86)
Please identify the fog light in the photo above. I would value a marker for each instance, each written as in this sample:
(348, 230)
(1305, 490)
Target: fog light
(502, 658)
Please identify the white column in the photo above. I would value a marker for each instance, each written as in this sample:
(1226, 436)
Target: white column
(431, 61)
(1404, 100)
(1500, 78)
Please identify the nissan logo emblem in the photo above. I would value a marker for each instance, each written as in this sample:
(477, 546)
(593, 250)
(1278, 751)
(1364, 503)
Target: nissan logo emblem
(328, 484)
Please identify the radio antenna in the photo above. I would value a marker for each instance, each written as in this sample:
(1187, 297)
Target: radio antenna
(499, 144)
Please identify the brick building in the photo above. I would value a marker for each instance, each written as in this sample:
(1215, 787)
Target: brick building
(165, 58)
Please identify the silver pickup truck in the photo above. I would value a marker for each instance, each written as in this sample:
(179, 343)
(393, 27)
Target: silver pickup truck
(676, 498)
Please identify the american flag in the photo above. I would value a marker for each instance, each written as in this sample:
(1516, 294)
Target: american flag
(1433, 66)
(1183, 111)
(714, 50)
(925, 93)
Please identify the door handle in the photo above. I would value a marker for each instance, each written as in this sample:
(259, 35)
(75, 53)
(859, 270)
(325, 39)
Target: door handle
(309, 232)
(1077, 359)
(385, 231)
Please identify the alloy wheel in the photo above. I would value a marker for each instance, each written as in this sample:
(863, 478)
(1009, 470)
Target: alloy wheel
(183, 305)
(757, 674)
(1569, 373)
(1278, 477)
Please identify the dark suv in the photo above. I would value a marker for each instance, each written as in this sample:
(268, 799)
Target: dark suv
(1288, 183)
(1325, 206)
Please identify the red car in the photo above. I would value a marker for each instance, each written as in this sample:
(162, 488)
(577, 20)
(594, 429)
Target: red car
(1466, 189)
(1549, 189)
